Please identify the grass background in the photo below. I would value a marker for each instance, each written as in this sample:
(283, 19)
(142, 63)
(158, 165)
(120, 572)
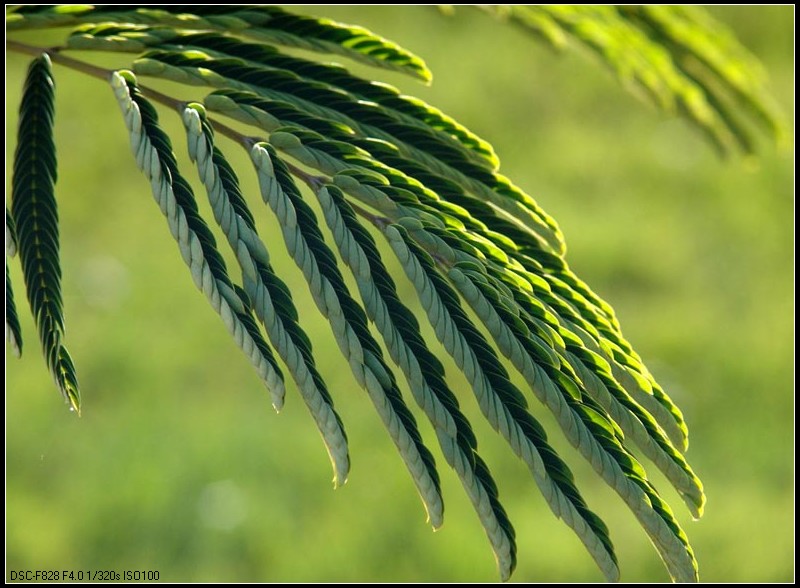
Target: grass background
(179, 464)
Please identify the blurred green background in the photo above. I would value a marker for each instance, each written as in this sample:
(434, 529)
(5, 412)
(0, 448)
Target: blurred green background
(179, 464)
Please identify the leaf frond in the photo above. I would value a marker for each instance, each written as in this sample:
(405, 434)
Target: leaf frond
(35, 222)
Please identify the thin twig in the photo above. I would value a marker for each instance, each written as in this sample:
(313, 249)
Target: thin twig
(91, 70)
(380, 222)
(314, 182)
(246, 141)
(56, 57)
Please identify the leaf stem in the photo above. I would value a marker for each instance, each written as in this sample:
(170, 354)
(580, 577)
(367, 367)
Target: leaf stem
(91, 70)
(312, 181)
(56, 57)
(379, 221)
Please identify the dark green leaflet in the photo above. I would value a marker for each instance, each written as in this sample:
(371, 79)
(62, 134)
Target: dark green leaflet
(423, 370)
(349, 323)
(13, 330)
(35, 218)
(271, 298)
(153, 151)
(500, 401)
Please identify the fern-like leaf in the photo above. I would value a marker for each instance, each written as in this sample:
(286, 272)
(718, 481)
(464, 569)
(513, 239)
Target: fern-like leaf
(35, 218)
(463, 233)
(312, 155)
(710, 55)
(335, 157)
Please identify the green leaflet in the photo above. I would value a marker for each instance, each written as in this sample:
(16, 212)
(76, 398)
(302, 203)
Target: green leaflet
(305, 244)
(35, 219)
(232, 214)
(264, 23)
(369, 121)
(136, 38)
(270, 295)
(674, 54)
(153, 152)
(585, 313)
(122, 37)
(500, 401)
(13, 330)
(424, 372)
(636, 380)
(711, 56)
(639, 425)
(332, 156)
